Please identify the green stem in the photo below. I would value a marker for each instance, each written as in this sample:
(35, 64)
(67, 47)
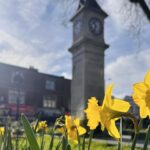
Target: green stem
(120, 140)
(42, 142)
(90, 138)
(52, 139)
(78, 137)
(59, 144)
(83, 144)
(147, 139)
(136, 135)
(134, 141)
(119, 145)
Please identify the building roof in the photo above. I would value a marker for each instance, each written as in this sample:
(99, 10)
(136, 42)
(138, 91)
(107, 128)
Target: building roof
(30, 69)
(90, 4)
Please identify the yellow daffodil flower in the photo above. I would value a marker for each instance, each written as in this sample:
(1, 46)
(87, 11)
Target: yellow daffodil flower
(72, 126)
(141, 96)
(42, 125)
(106, 115)
(2, 130)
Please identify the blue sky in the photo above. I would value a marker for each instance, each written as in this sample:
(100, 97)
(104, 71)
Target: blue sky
(37, 33)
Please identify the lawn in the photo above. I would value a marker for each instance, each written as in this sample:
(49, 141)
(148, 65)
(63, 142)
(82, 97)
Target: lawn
(94, 146)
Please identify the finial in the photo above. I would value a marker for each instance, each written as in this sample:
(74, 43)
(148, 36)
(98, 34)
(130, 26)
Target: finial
(88, 3)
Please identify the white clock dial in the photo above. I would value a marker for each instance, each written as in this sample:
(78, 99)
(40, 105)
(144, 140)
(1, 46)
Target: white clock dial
(95, 26)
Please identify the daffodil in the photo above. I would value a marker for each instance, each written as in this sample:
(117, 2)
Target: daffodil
(73, 127)
(141, 96)
(2, 130)
(106, 115)
(42, 126)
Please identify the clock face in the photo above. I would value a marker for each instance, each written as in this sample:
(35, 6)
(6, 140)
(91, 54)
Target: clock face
(77, 27)
(95, 26)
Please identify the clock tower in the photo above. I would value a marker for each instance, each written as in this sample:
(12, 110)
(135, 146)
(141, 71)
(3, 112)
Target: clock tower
(87, 50)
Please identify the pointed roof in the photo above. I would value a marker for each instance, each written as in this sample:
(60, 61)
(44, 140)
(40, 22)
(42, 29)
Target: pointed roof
(90, 4)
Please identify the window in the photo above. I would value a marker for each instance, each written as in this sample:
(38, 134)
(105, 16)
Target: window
(49, 101)
(50, 85)
(13, 95)
(17, 77)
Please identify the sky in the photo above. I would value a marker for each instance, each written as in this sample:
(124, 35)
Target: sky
(38, 33)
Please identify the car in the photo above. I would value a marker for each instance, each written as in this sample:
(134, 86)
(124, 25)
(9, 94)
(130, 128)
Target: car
(48, 114)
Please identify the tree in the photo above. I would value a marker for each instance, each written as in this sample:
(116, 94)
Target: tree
(144, 6)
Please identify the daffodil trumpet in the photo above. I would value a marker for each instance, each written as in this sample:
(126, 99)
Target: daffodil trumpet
(141, 96)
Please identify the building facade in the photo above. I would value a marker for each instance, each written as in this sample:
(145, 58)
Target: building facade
(33, 89)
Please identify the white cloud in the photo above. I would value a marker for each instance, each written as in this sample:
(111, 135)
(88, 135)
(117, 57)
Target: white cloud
(126, 71)
(23, 53)
(31, 11)
(67, 75)
(31, 34)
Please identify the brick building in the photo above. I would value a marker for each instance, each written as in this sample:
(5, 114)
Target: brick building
(36, 90)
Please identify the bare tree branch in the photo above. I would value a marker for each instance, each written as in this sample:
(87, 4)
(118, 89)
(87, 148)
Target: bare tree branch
(144, 7)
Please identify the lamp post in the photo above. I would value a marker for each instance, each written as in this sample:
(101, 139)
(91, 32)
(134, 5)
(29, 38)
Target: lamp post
(18, 83)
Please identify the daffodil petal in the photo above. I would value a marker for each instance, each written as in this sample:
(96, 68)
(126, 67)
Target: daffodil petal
(139, 90)
(120, 105)
(72, 126)
(144, 112)
(107, 98)
(68, 121)
(77, 122)
(93, 113)
(139, 94)
(147, 79)
(102, 127)
(112, 129)
(72, 135)
(92, 124)
(81, 130)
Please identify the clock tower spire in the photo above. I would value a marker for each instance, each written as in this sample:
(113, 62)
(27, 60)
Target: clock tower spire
(87, 50)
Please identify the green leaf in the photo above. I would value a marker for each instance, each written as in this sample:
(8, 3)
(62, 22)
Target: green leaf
(83, 144)
(64, 143)
(9, 141)
(68, 147)
(30, 134)
(147, 139)
(90, 139)
(52, 141)
(58, 145)
(78, 137)
(136, 134)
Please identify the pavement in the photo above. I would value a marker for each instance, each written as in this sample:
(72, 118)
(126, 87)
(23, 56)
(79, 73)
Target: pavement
(126, 141)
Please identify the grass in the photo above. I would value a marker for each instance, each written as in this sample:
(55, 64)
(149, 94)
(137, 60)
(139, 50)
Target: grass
(94, 146)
